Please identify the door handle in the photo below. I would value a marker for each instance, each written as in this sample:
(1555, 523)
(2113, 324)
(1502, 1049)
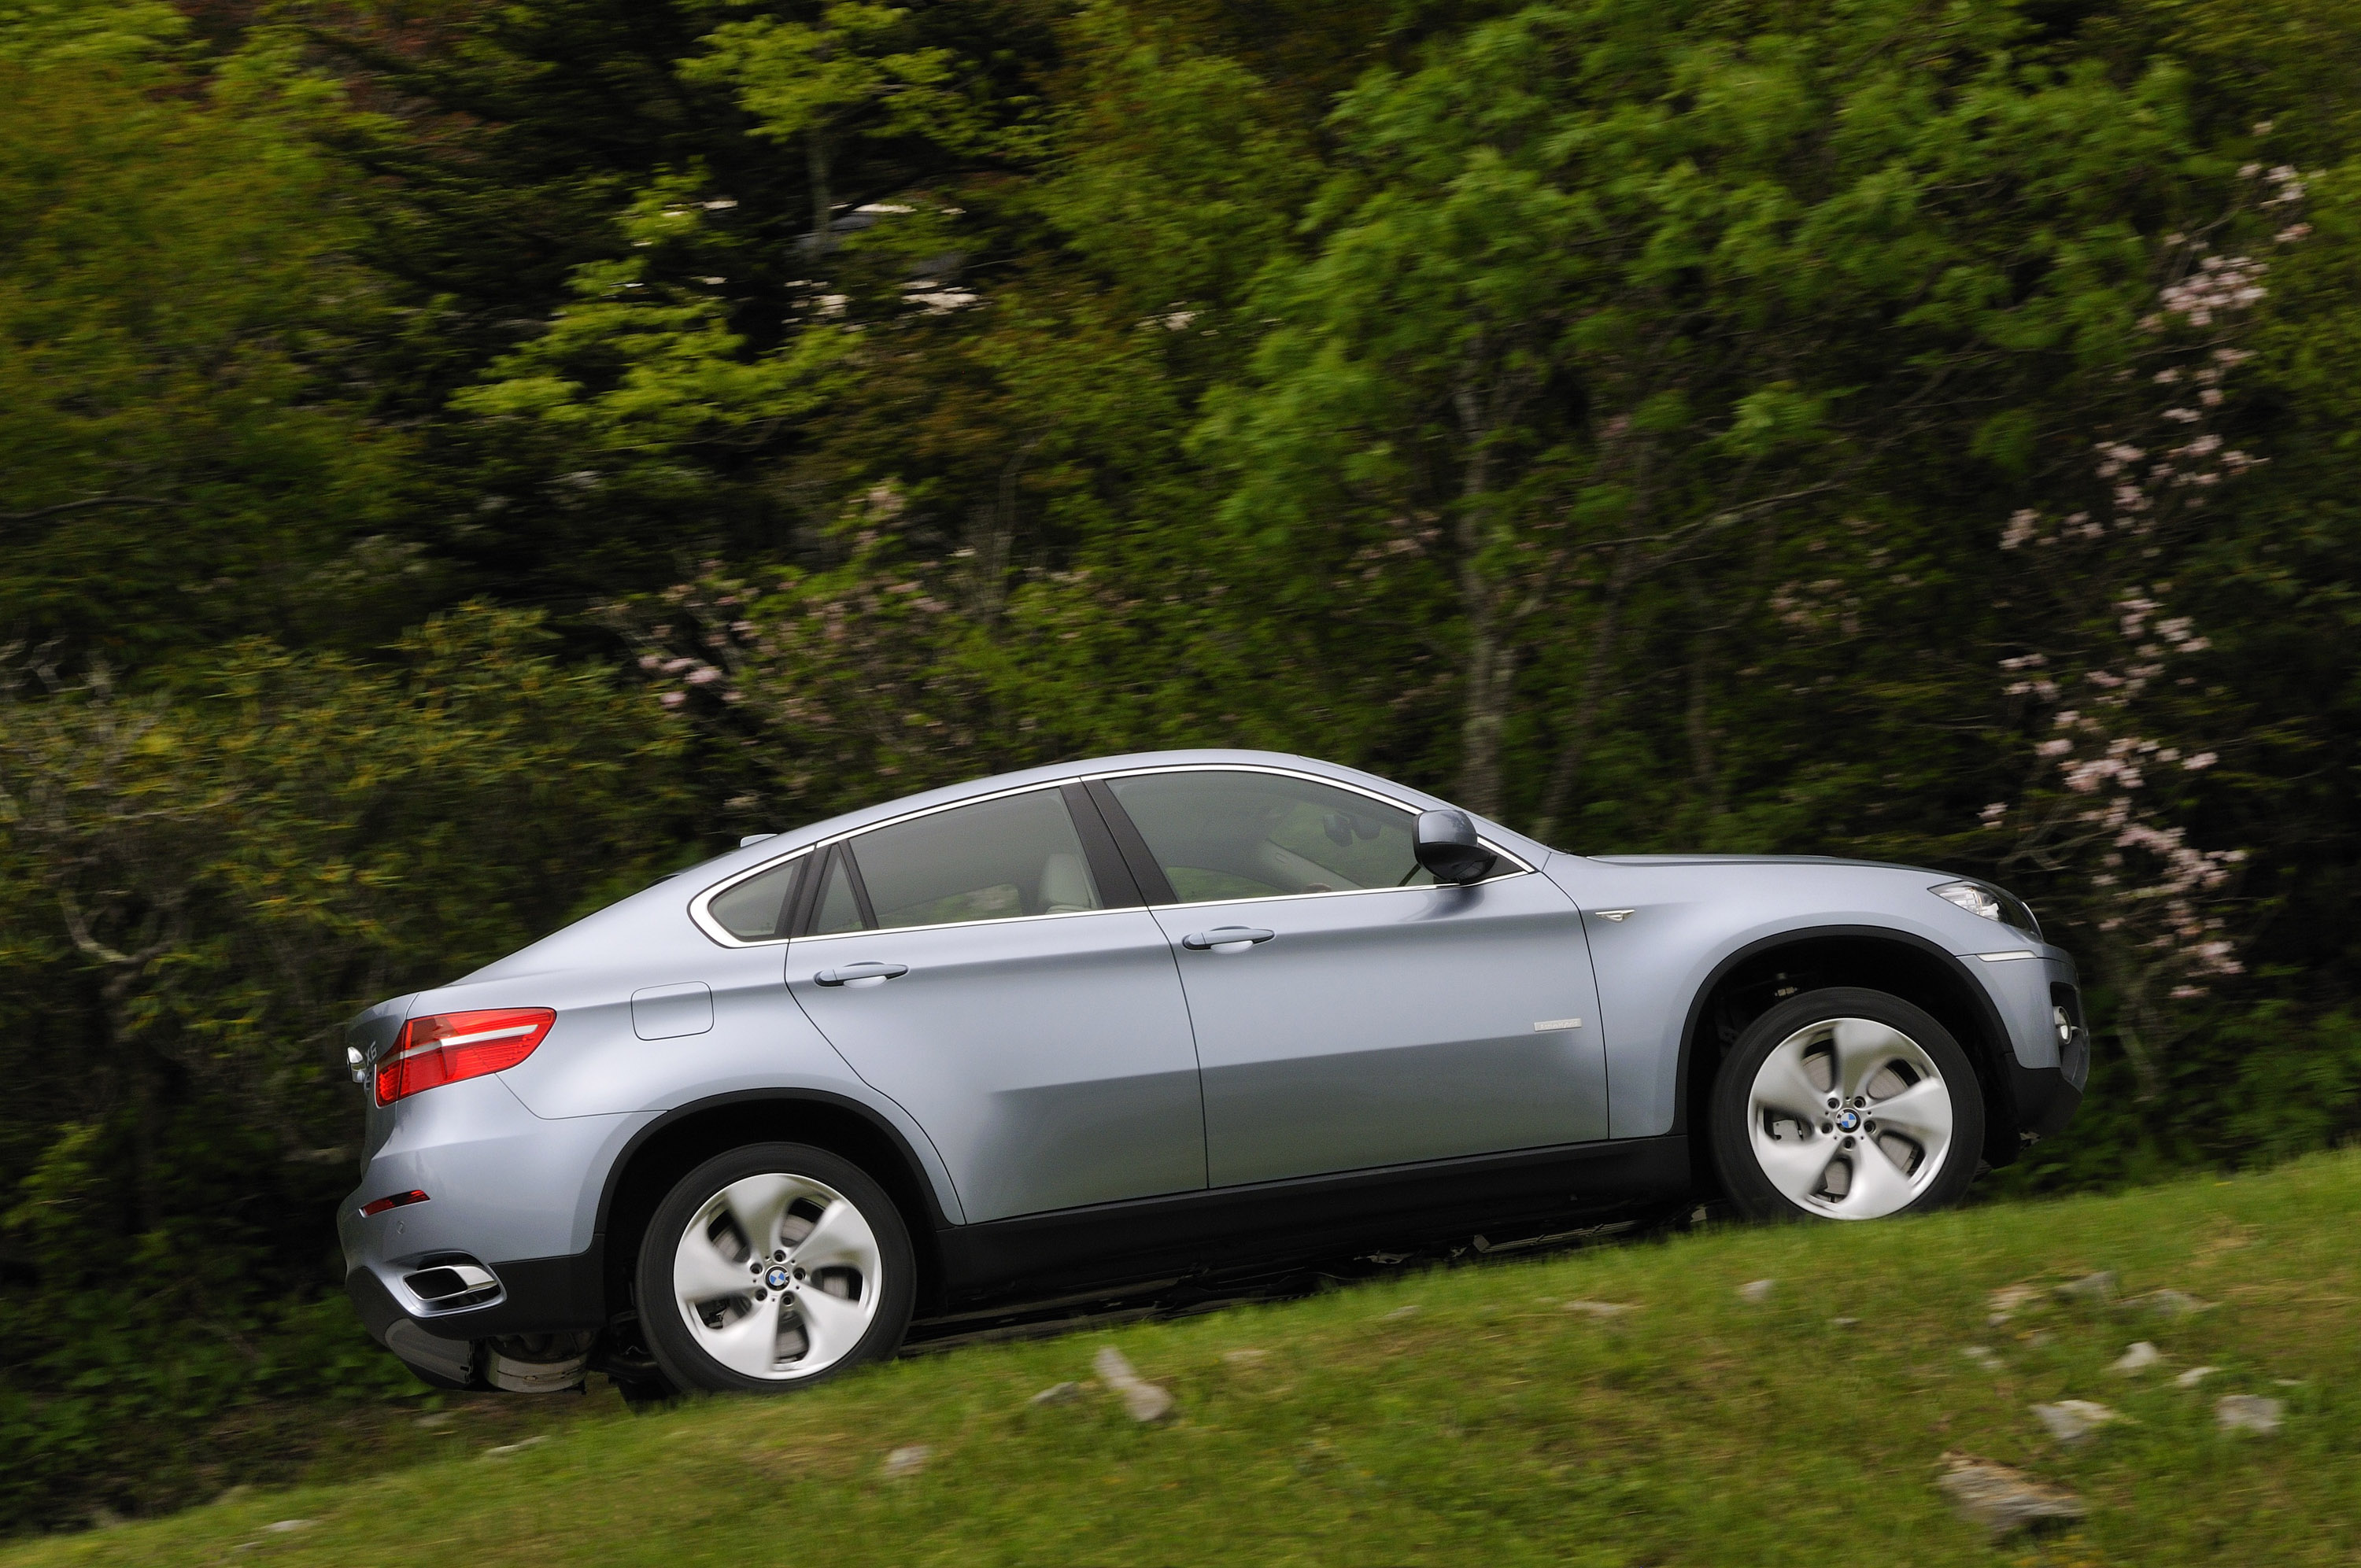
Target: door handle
(861, 974)
(1226, 940)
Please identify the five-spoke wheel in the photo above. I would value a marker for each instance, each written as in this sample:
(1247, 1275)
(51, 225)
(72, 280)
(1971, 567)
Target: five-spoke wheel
(1846, 1104)
(771, 1266)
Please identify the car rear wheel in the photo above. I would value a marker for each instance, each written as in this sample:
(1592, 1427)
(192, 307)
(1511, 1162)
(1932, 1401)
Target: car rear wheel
(1846, 1104)
(771, 1267)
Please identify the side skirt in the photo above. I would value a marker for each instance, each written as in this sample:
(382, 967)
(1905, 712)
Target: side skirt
(1038, 1256)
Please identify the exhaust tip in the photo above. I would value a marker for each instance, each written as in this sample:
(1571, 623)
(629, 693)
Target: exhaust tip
(453, 1283)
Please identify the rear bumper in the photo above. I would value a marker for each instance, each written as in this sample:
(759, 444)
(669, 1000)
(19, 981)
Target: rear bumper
(537, 1296)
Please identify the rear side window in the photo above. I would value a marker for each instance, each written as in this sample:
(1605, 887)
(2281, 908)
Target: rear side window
(756, 909)
(997, 859)
(1222, 834)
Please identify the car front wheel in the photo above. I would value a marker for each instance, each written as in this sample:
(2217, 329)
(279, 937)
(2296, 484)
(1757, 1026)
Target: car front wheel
(774, 1267)
(1846, 1104)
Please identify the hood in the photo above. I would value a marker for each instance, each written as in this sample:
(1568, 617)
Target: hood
(1694, 859)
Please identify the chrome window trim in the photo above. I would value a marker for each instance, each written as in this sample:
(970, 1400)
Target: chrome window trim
(700, 913)
(884, 931)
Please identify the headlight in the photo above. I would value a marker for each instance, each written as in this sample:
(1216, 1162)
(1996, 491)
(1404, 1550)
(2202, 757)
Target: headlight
(1989, 902)
(1971, 897)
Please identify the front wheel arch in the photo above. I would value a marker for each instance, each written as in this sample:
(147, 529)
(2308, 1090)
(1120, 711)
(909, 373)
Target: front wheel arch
(1745, 984)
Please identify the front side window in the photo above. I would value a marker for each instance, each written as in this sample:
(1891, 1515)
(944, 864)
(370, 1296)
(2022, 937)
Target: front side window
(997, 859)
(1221, 835)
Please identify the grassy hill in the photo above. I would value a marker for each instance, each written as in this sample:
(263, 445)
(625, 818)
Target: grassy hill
(1469, 1417)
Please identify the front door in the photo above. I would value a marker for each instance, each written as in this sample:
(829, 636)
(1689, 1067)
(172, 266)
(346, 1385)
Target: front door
(1348, 1013)
(975, 964)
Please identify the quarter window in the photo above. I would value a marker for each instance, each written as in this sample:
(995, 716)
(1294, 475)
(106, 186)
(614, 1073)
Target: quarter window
(756, 909)
(1222, 834)
(996, 858)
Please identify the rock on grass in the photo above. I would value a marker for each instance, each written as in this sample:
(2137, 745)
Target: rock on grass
(2010, 1299)
(2004, 1500)
(2248, 1413)
(1142, 1400)
(2092, 1290)
(2137, 1358)
(906, 1460)
(2072, 1422)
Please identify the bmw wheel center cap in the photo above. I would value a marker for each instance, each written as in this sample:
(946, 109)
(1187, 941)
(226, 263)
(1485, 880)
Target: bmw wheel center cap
(777, 1278)
(1849, 1121)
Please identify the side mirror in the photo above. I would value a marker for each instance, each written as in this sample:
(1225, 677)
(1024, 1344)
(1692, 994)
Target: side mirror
(1448, 846)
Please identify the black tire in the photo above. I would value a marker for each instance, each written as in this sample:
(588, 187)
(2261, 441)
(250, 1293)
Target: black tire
(1791, 1024)
(685, 1361)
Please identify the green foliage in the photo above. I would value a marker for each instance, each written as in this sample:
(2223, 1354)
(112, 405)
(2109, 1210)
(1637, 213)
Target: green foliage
(1624, 417)
(183, 457)
(203, 883)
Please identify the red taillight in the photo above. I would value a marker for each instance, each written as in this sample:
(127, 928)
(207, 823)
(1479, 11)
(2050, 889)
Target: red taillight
(448, 1047)
(376, 1206)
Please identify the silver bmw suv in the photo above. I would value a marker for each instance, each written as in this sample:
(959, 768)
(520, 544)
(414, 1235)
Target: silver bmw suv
(1126, 1019)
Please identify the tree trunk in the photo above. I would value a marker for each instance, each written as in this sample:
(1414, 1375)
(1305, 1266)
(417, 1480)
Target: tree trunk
(1491, 668)
(1492, 671)
(816, 166)
(1700, 734)
(1603, 642)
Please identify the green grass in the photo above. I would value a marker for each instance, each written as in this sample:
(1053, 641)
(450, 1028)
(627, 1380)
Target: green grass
(1490, 1426)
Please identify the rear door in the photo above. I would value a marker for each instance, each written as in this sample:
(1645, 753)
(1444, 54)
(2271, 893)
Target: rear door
(1347, 1011)
(989, 967)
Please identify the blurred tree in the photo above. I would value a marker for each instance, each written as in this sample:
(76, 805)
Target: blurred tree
(211, 886)
(182, 457)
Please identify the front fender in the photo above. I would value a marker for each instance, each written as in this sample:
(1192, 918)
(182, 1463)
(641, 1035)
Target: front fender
(1691, 923)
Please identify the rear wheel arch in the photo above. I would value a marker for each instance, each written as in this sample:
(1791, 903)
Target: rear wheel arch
(684, 1138)
(1749, 981)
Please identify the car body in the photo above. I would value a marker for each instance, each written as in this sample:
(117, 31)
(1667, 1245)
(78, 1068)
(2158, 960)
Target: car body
(1246, 1041)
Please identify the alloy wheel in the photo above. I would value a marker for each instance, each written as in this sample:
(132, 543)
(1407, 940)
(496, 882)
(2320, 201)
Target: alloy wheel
(1850, 1118)
(778, 1276)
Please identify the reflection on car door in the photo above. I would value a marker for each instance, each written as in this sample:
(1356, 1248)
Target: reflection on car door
(977, 964)
(1348, 1013)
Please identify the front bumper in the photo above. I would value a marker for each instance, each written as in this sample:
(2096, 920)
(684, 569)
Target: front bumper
(2045, 1070)
(2046, 1100)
